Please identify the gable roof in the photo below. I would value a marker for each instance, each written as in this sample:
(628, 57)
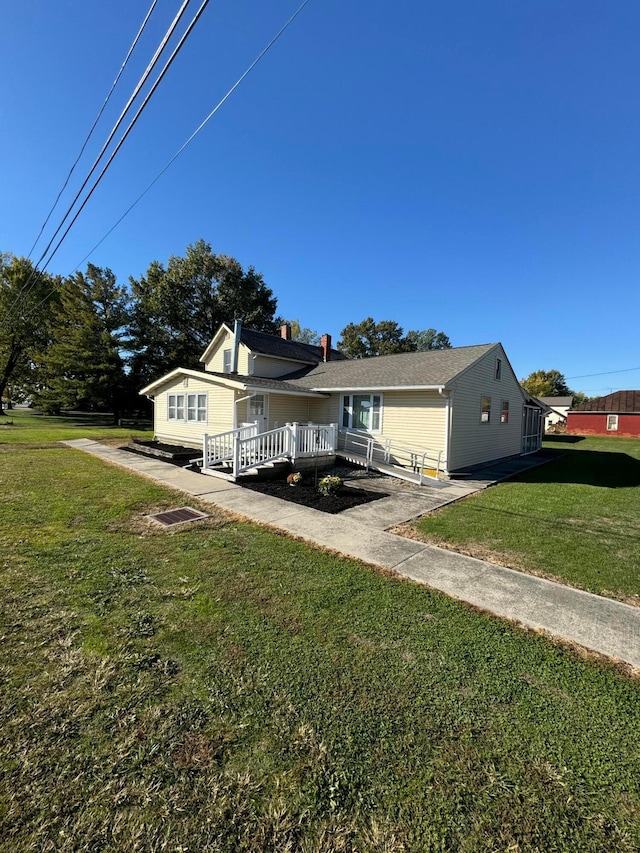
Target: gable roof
(229, 380)
(556, 402)
(278, 347)
(619, 401)
(431, 369)
(263, 343)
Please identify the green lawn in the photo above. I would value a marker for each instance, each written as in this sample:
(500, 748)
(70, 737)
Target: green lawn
(26, 426)
(220, 688)
(576, 519)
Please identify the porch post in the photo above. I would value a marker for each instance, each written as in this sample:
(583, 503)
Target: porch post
(334, 437)
(293, 440)
(236, 454)
(205, 451)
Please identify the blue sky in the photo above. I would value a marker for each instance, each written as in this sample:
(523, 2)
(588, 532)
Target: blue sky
(469, 166)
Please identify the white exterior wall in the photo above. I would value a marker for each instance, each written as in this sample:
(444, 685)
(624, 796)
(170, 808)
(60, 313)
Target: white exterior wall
(413, 418)
(274, 368)
(215, 362)
(219, 412)
(472, 441)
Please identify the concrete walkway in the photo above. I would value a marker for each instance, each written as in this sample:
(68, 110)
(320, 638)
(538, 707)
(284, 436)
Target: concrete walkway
(599, 624)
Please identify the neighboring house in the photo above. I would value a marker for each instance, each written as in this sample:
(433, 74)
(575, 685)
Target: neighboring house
(463, 405)
(559, 407)
(614, 414)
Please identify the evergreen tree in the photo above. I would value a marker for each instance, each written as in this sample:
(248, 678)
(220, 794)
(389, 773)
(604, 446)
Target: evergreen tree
(83, 365)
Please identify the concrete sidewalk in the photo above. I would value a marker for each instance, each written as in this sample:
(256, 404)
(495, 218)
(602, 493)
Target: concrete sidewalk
(599, 624)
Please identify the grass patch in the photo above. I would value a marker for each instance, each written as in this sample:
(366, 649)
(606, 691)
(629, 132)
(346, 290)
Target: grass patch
(220, 688)
(27, 426)
(576, 519)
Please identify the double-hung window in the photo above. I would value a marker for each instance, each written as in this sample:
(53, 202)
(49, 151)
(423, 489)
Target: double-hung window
(612, 422)
(504, 414)
(485, 410)
(226, 361)
(362, 411)
(187, 407)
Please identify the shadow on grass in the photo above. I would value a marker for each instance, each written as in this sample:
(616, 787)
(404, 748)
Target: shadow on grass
(563, 439)
(590, 468)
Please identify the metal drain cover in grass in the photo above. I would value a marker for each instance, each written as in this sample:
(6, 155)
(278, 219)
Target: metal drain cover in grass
(177, 516)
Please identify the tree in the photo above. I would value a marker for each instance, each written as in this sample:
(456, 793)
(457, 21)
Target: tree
(304, 335)
(368, 338)
(177, 310)
(26, 297)
(546, 383)
(428, 339)
(83, 365)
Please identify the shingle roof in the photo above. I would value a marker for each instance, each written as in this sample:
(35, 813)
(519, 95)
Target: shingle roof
(619, 401)
(412, 369)
(556, 401)
(266, 344)
(261, 382)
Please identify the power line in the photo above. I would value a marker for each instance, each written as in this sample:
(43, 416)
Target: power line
(229, 92)
(196, 131)
(133, 121)
(606, 373)
(29, 284)
(114, 130)
(95, 122)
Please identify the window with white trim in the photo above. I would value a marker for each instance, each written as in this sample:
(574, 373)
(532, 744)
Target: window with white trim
(362, 412)
(226, 361)
(485, 410)
(612, 422)
(256, 406)
(504, 412)
(190, 408)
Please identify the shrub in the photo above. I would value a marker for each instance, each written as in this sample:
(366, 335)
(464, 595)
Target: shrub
(330, 485)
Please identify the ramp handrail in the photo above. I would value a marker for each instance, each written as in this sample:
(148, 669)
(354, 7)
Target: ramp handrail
(393, 454)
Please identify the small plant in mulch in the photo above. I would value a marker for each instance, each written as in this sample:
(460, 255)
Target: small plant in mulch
(330, 485)
(294, 479)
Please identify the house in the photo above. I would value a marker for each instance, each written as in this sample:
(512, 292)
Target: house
(614, 414)
(559, 407)
(440, 411)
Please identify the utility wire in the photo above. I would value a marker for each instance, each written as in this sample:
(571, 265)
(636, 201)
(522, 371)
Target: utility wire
(195, 132)
(95, 122)
(29, 283)
(114, 130)
(606, 373)
(130, 127)
(280, 32)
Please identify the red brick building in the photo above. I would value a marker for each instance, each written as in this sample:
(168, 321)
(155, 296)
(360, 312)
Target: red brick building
(615, 414)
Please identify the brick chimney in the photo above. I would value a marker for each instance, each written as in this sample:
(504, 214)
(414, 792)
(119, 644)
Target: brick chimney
(285, 331)
(325, 345)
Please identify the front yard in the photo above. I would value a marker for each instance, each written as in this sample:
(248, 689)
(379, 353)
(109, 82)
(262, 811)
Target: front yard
(576, 519)
(221, 688)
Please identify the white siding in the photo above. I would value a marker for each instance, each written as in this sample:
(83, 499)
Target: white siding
(274, 368)
(412, 418)
(219, 412)
(472, 441)
(215, 361)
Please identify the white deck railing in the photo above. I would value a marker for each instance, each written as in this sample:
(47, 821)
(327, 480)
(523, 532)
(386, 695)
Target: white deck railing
(398, 456)
(245, 448)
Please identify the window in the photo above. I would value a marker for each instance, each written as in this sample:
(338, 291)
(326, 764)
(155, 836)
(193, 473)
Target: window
(362, 411)
(485, 411)
(504, 414)
(612, 422)
(226, 361)
(498, 368)
(195, 406)
(256, 406)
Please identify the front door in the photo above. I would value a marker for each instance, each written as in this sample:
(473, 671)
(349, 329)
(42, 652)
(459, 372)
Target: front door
(258, 411)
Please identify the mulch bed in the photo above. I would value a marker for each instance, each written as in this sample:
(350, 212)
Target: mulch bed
(307, 495)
